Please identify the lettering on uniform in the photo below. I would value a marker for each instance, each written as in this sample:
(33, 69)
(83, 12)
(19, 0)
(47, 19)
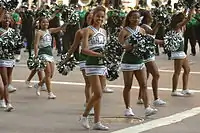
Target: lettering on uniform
(98, 39)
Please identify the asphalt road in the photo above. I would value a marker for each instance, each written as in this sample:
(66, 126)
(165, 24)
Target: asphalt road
(35, 114)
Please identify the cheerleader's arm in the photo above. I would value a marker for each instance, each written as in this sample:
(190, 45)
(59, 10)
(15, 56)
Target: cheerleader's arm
(36, 42)
(76, 43)
(186, 20)
(122, 35)
(149, 30)
(61, 28)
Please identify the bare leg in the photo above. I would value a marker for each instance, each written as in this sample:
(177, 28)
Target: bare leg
(177, 70)
(4, 76)
(1, 89)
(31, 75)
(128, 79)
(95, 100)
(153, 69)
(47, 78)
(9, 73)
(186, 73)
(142, 80)
(87, 87)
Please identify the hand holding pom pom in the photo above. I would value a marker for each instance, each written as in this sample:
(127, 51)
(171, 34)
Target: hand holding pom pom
(172, 41)
(66, 64)
(36, 63)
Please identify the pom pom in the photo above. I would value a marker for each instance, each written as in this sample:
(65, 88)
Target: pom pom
(115, 18)
(150, 46)
(187, 3)
(162, 15)
(143, 45)
(66, 65)
(70, 15)
(9, 4)
(113, 50)
(36, 63)
(113, 72)
(10, 42)
(172, 41)
(30, 63)
(113, 53)
(43, 13)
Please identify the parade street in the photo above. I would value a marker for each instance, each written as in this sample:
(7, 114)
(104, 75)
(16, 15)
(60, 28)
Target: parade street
(35, 114)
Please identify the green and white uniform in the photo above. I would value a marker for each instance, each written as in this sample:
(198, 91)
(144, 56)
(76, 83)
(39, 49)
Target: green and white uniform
(45, 49)
(95, 65)
(130, 62)
(179, 54)
(3, 61)
(82, 61)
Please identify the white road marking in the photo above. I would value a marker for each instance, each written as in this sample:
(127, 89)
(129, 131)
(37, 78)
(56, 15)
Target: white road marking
(171, 71)
(112, 86)
(161, 122)
(160, 70)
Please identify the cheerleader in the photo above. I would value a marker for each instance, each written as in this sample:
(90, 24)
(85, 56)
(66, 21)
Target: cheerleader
(42, 48)
(82, 57)
(6, 65)
(33, 72)
(133, 65)
(150, 60)
(180, 59)
(94, 41)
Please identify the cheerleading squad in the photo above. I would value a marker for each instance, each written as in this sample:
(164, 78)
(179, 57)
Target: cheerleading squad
(134, 35)
(92, 40)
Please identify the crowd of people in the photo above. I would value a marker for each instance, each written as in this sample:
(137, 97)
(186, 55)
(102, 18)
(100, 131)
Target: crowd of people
(85, 40)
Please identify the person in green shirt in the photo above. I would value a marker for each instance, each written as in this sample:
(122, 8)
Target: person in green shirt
(189, 34)
(17, 24)
(197, 25)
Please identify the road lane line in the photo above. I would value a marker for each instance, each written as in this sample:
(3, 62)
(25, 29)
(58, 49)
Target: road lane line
(161, 122)
(112, 86)
(171, 71)
(160, 70)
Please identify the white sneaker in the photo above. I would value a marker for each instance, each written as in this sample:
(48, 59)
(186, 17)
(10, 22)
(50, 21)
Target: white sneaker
(107, 90)
(11, 88)
(84, 122)
(18, 58)
(2, 104)
(150, 111)
(43, 88)
(159, 102)
(128, 112)
(9, 108)
(100, 126)
(51, 96)
(140, 101)
(36, 86)
(177, 94)
(28, 83)
(187, 92)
